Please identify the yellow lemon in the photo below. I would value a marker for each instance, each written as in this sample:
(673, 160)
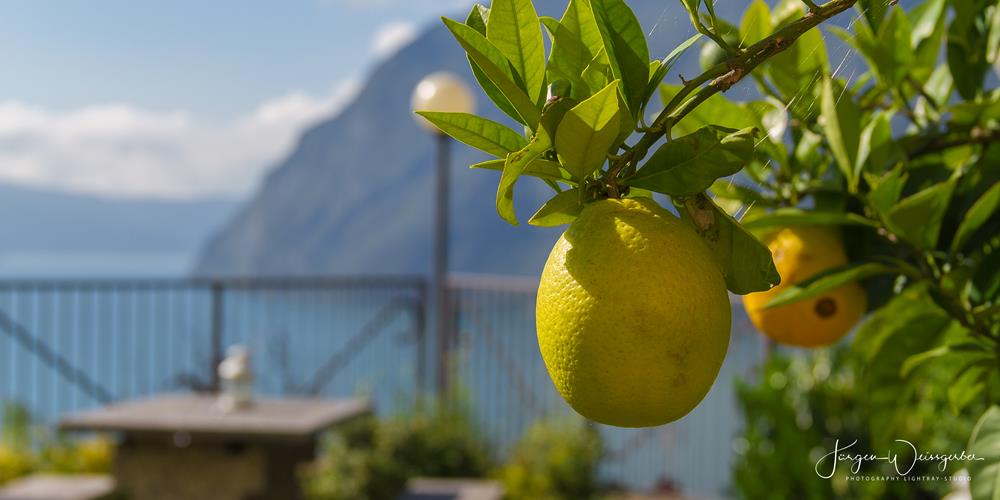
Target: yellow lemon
(633, 316)
(801, 252)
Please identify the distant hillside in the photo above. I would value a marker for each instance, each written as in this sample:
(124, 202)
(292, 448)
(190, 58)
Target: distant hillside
(355, 194)
(53, 232)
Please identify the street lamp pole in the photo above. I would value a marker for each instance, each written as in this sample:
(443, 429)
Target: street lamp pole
(447, 93)
(440, 266)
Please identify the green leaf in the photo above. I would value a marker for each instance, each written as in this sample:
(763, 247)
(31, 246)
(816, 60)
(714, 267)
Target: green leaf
(477, 18)
(542, 169)
(478, 132)
(829, 280)
(568, 59)
(716, 110)
(580, 20)
(842, 127)
(512, 169)
(978, 214)
(625, 43)
(993, 40)
(756, 23)
(917, 218)
(587, 131)
(967, 47)
(876, 146)
(663, 67)
(894, 37)
(985, 444)
(796, 69)
(496, 68)
(797, 217)
(874, 11)
(928, 44)
(689, 165)
(560, 209)
(513, 27)
(908, 324)
(745, 262)
(886, 189)
(919, 359)
(477, 21)
(967, 385)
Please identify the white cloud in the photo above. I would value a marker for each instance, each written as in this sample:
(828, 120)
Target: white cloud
(390, 37)
(124, 151)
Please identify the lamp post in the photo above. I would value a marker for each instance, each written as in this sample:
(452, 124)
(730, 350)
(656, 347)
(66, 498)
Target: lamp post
(441, 92)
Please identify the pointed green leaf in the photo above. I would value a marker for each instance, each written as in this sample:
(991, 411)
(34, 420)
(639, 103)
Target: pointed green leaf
(561, 209)
(478, 132)
(796, 217)
(842, 125)
(663, 67)
(914, 361)
(579, 19)
(745, 262)
(496, 68)
(756, 23)
(894, 37)
(477, 18)
(876, 146)
(968, 385)
(829, 280)
(542, 169)
(795, 70)
(568, 59)
(689, 165)
(716, 110)
(477, 21)
(874, 11)
(978, 214)
(917, 218)
(587, 131)
(512, 169)
(886, 190)
(626, 45)
(514, 28)
(984, 443)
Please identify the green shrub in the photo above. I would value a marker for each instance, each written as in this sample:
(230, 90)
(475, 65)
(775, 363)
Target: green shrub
(374, 459)
(24, 450)
(556, 459)
(797, 410)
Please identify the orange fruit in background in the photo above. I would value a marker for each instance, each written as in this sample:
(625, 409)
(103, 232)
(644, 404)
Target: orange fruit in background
(799, 253)
(633, 316)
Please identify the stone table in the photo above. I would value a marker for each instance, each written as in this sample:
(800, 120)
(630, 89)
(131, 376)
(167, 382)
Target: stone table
(184, 446)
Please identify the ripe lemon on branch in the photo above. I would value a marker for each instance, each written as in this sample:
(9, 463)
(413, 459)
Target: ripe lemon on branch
(801, 252)
(633, 316)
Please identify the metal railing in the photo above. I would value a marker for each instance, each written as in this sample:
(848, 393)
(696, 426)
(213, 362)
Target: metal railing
(67, 345)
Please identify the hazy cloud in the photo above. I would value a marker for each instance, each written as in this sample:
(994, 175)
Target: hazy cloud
(391, 37)
(121, 150)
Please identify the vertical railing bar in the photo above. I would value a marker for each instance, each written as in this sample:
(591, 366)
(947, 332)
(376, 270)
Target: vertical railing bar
(217, 330)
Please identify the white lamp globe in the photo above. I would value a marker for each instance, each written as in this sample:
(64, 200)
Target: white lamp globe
(444, 92)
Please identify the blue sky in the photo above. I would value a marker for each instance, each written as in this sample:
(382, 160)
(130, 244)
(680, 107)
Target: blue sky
(218, 57)
(180, 98)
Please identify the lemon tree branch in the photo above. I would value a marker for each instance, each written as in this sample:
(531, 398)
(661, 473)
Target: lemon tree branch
(720, 78)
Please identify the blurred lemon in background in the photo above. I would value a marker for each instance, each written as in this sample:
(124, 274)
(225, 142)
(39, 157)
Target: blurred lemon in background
(801, 252)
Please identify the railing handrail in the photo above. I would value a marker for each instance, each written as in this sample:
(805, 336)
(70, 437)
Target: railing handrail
(229, 282)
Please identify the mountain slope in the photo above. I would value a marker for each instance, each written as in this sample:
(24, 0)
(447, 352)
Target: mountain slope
(355, 194)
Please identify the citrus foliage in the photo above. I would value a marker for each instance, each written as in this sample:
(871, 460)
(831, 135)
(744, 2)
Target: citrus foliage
(896, 145)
